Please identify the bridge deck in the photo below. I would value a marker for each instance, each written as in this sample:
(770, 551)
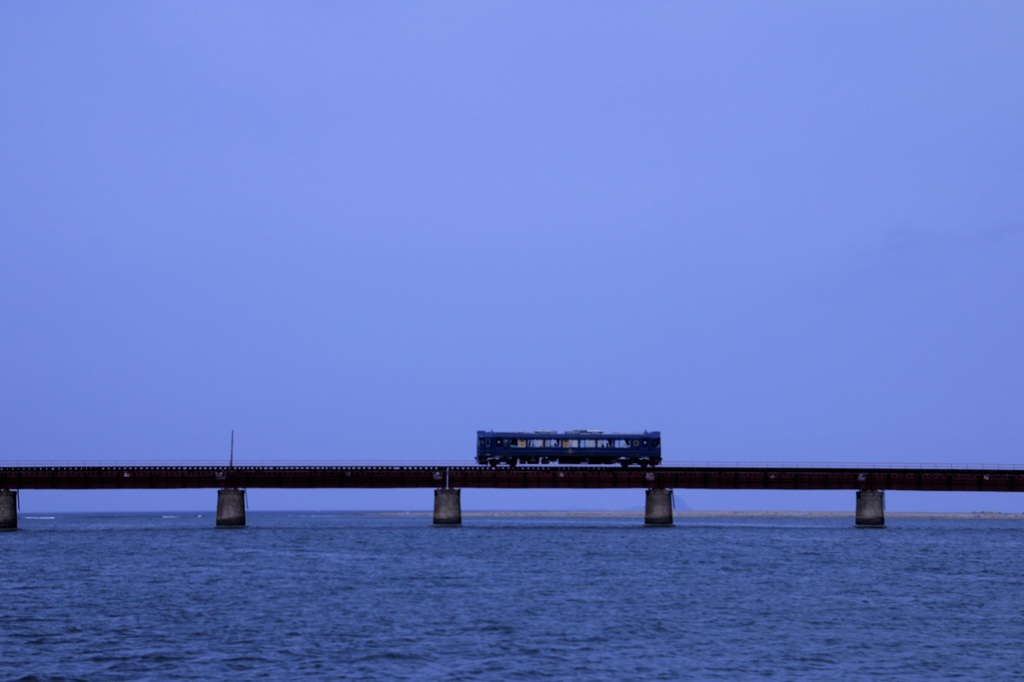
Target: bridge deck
(709, 477)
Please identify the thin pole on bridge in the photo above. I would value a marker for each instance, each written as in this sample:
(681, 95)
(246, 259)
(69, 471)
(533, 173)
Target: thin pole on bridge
(231, 501)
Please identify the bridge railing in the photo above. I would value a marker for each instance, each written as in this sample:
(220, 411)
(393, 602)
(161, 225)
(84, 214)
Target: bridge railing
(223, 464)
(219, 463)
(763, 464)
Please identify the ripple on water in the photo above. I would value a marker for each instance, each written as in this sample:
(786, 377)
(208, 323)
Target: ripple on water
(499, 599)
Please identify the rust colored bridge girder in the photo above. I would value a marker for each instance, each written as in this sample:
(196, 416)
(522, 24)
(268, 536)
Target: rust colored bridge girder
(526, 477)
(750, 478)
(166, 477)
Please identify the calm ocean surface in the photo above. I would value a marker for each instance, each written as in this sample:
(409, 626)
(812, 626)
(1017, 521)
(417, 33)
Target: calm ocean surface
(347, 596)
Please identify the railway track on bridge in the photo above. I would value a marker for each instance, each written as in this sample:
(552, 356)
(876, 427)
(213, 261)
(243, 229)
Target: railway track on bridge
(72, 477)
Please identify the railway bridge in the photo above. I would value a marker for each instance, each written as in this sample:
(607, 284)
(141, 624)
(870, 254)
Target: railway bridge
(231, 482)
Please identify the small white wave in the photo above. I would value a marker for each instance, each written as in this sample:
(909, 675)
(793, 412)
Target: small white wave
(44, 518)
(168, 516)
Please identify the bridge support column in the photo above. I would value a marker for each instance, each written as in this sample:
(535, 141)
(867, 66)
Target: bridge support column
(658, 511)
(447, 507)
(8, 510)
(230, 508)
(870, 509)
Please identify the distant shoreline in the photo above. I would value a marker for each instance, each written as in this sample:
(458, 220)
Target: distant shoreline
(712, 514)
(569, 514)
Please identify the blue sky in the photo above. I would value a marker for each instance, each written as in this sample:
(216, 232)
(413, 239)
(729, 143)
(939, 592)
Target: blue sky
(362, 231)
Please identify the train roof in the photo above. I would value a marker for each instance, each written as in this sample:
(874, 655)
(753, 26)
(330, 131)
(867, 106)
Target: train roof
(569, 434)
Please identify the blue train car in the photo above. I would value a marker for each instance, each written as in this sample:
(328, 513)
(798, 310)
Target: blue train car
(568, 447)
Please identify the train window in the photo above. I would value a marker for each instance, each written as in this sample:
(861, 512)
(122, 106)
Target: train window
(487, 442)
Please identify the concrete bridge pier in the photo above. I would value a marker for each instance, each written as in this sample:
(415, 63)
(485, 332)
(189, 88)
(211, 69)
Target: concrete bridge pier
(658, 511)
(447, 507)
(230, 508)
(8, 510)
(870, 509)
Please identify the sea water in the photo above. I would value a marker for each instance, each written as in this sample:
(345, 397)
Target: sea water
(350, 596)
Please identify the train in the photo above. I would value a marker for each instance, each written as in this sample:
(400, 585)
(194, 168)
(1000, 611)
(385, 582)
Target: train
(494, 448)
